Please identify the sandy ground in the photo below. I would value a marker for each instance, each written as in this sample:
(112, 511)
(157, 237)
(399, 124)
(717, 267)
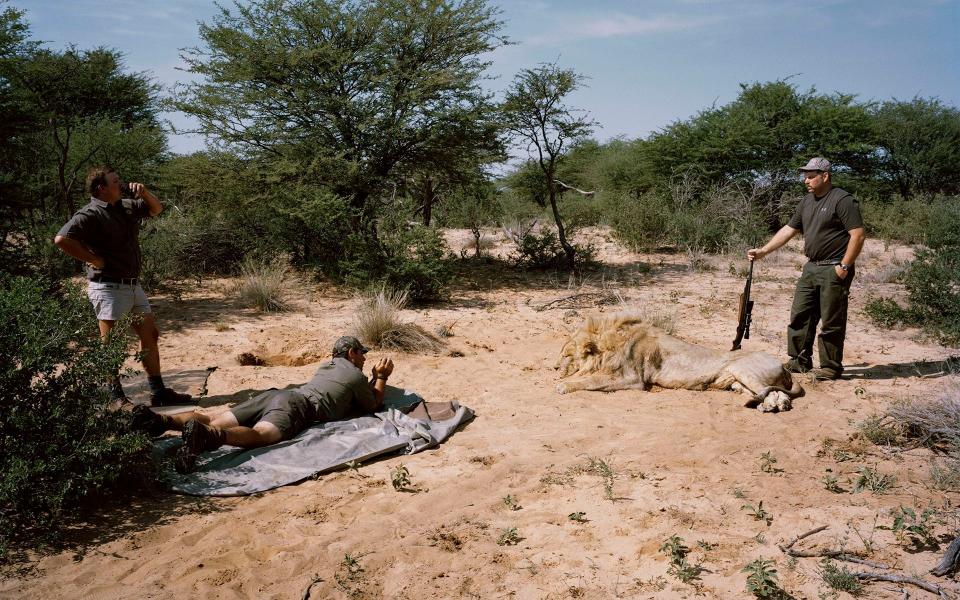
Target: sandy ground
(680, 463)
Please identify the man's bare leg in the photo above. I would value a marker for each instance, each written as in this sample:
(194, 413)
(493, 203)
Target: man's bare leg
(145, 326)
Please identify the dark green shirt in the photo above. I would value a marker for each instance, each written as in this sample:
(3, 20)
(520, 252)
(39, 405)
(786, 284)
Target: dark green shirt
(112, 232)
(338, 388)
(826, 222)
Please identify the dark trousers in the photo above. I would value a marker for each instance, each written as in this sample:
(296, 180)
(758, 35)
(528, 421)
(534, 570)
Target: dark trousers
(821, 297)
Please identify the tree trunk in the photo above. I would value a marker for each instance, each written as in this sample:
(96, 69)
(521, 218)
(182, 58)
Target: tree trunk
(561, 232)
(429, 196)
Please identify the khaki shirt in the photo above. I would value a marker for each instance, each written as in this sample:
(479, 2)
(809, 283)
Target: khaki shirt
(338, 388)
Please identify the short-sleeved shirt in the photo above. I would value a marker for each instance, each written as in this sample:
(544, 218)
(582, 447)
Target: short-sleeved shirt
(112, 232)
(337, 387)
(826, 222)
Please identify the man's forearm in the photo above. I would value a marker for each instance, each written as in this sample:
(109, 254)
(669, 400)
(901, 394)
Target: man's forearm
(779, 239)
(152, 202)
(854, 246)
(77, 250)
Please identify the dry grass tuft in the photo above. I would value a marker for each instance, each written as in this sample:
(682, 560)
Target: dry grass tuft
(267, 285)
(377, 322)
(663, 319)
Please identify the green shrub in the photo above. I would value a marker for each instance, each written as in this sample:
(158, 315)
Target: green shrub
(59, 442)
(414, 259)
(885, 312)
(906, 221)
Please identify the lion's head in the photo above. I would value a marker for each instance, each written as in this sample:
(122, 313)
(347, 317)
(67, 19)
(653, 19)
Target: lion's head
(579, 353)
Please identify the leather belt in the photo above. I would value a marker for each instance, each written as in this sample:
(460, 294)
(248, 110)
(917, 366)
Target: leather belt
(832, 261)
(109, 279)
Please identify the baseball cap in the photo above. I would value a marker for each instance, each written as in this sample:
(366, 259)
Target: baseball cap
(346, 343)
(817, 163)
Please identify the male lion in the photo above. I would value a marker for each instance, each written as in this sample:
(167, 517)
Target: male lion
(620, 352)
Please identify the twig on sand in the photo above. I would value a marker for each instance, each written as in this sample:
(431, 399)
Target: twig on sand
(863, 576)
(306, 592)
(580, 300)
(924, 585)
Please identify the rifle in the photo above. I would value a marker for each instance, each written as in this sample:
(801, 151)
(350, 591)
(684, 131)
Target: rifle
(746, 311)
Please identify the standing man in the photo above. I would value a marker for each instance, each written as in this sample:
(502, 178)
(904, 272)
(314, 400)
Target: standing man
(338, 389)
(833, 233)
(104, 234)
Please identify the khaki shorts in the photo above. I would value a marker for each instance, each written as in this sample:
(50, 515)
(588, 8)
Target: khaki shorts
(288, 410)
(113, 300)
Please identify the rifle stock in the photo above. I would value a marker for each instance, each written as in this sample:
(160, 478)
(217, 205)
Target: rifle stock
(745, 313)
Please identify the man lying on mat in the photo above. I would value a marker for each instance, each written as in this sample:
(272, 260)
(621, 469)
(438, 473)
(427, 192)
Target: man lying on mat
(337, 389)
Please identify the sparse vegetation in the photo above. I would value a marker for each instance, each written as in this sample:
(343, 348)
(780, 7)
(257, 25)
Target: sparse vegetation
(758, 512)
(839, 578)
(511, 502)
(768, 462)
(509, 537)
(267, 285)
(680, 568)
(871, 480)
(579, 517)
(762, 579)
(377, 322)
(400, 478)
(831, 484)
(910, 527)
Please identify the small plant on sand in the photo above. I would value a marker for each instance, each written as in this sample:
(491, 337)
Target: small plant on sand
(377, 322)
(675, 549)
(871, 480)
(511, 502)
(600, 468)
(878, 430)
(579, 517)
(758, 512)
(762, 579)
(908, 527)
(839, 578)
(266, 285)
(509, 537)
(767, 462)
(400, 478)
(738, 493)
(831, 484)
(349, 576)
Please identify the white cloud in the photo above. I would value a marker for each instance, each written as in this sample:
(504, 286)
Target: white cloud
(618, 25)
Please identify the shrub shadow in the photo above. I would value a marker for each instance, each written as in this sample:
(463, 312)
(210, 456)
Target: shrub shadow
(922, 369)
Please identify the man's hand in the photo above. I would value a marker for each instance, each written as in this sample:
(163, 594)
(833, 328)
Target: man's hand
(97, 262)
(383, 368)
(137, 189)
(755, 253)
(842, 274)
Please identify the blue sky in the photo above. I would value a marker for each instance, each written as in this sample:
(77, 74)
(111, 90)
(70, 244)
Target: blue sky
(649, 62)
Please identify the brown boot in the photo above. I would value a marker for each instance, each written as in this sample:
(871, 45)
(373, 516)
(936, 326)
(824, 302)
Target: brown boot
(198, 437)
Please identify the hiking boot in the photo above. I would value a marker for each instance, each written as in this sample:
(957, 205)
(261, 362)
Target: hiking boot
(198, 437)
(184, 462)
(825, 374)
(144, 419)
(168, 397)
(794, 366)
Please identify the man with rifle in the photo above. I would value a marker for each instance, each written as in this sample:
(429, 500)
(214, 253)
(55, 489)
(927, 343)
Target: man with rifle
(830, 221)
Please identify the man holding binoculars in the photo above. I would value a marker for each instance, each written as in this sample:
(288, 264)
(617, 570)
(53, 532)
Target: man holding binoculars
(104, 235)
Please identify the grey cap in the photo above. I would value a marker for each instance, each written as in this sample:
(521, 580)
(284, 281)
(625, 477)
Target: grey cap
(817, 163)
(346, 343)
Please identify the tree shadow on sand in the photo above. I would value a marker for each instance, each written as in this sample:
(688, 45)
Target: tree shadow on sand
(922, 369)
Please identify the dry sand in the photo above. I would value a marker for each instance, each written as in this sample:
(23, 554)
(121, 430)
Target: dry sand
(682, 462)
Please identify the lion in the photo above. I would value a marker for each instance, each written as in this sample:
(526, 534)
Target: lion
(621, 352)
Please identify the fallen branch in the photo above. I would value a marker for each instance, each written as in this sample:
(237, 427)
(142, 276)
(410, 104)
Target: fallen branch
(950, 561)
(581, 300)
(930, 587)
(835, 554)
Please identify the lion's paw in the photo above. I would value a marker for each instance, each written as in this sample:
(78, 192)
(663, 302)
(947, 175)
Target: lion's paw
(562, 388)
(775, 401)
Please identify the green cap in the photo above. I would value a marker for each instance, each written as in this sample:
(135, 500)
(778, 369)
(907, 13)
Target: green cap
(346, 343)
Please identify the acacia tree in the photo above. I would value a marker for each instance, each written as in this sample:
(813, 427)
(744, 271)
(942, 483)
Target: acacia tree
(534, 113)
(918, 146)
(358, 94)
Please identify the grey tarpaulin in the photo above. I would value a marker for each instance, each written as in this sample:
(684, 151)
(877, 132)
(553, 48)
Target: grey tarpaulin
(232, 471)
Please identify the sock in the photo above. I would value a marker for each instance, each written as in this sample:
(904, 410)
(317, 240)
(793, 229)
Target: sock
(156, 384)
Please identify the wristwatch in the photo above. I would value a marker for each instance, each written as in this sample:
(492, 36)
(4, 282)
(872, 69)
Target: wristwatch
(845, 267)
